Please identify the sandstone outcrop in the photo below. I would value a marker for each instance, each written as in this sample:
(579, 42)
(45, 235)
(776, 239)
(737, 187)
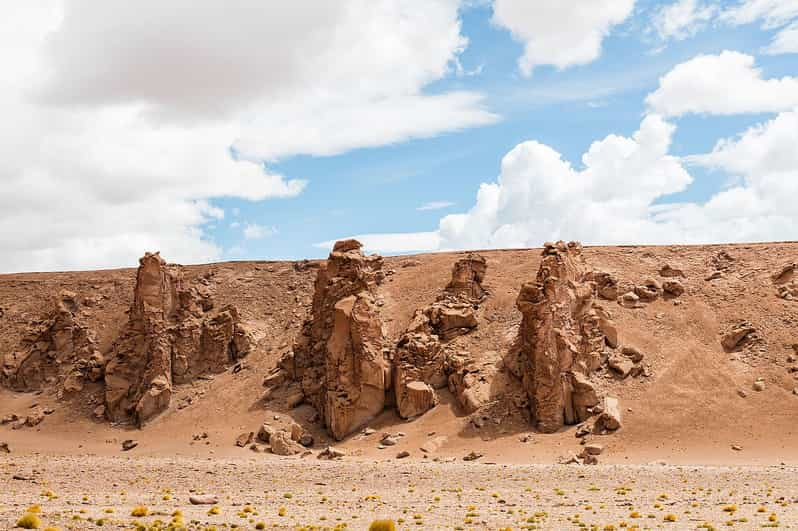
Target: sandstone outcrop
(55, 351)
(173, 334)
(560, 339)
(339, 357)
(421, 363)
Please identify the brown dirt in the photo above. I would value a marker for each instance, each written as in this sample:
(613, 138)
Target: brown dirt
(688, 411)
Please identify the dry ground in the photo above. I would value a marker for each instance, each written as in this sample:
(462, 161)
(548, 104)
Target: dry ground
(75, 492)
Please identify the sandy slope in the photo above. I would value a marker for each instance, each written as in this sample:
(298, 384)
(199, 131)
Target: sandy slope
(688, 411)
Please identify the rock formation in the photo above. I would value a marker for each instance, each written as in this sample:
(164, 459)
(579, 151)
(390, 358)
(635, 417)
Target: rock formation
(561, 340)
(421, 363)
(171, 337)
(56, 350)
(339, 356)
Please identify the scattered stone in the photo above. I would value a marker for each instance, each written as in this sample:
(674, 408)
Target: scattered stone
(621, 365)
(737, 448)
(433, 445)
(736, 335)
(4, 448)
(671, 270)
(714, 276)
(632, 353)
(742, 393)
(583, 430)
(265, 432)
(129, 444)
(369, 431)
(389, 440)
(594, 448)
(245, 439)
(99, 412)
(203, 500)
(403, 454)
(282, 444)
(673, 288)
(610, 417)
(8, 419)
(649, 291)
(759, 385)
(629, 300)
(331, 453)
(472, 456)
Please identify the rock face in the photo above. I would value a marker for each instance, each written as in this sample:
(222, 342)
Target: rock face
(467, 276)
(560, 338)
(171, 336)
(421, 363)
(57, 349)
(339, 357)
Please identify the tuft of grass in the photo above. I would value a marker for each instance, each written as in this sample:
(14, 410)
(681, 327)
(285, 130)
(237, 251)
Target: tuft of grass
(382, 525)
(29, 521)
(670, 518)
(139, 511)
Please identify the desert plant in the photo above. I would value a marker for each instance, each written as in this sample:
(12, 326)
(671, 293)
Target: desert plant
(382, 525)
(29, 521)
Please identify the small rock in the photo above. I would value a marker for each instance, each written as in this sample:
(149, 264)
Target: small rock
(369, 431)
(742, 393)
(245, 439)
(129, 444)
(99, 412)
(389, 440)
(621, 365)
(203, 500)
(737, 447)
(594, 448)
(673, 287)
(265, 432)
(306, 440)
(472, 456)
(671, 270)
(403, 454)
(583, 430)
(610, 418)
(759, 385)
(4, 449)
(282, 444)
(331, 453)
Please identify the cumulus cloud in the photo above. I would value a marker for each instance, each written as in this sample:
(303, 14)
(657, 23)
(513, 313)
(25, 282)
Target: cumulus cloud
(122, 122)
(562, 33)
(617, 197)
(682, 19)
(724, 84)
(772, 14)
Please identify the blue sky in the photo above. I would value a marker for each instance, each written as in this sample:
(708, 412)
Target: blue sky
(378, 190)
(352, 135)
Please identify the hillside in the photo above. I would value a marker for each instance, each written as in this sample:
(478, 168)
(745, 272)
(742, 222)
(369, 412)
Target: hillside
(692, 400)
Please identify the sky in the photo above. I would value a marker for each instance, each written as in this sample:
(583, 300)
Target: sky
(244, 129)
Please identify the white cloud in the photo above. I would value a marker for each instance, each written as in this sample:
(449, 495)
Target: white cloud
(562, 33)
(682, 19)
(435, 205)
(253, 231)
(118, 117)
(772, 13)
(616, 197)
(728, 83)
(785, 41)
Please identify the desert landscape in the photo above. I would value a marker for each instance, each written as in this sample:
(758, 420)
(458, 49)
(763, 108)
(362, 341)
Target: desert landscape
(562, 387)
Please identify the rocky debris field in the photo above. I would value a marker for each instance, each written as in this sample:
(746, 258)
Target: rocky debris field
(82, 492)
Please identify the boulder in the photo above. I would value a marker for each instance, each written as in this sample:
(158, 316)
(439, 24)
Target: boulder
(673, 287)
(621, 365)
(649, 291)
(265, 432)
(607, 286)
(415, 399)
(610, 417)
(736, 335)
(629, 300)
(282, 444)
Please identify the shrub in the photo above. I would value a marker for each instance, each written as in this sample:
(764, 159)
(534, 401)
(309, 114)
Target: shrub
(29, 521)
(139, 511)
(382, 525)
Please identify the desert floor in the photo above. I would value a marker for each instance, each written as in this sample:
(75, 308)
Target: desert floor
(83, 491)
